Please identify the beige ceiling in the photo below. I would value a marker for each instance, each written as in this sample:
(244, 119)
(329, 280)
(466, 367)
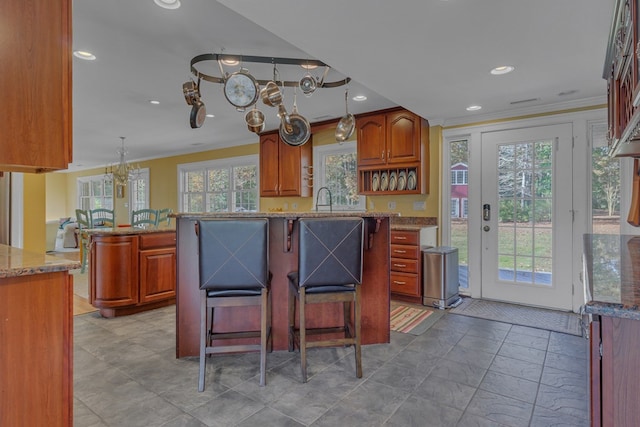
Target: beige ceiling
(430, 56)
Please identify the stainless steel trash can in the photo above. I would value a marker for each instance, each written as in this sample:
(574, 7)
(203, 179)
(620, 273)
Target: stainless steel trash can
(440, 276)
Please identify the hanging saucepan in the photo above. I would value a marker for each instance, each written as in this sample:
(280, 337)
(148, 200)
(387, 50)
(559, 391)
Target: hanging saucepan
(198, 114)
(300, 128)
(271, 94)
(347, 123)
(255, 120)
(191, 92)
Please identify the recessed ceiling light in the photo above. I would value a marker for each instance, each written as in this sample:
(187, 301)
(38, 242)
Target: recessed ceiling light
(230, 61)
(82, 54)
(168, 4)
(359, 98)
(154, 102)
(210, 115)
(474, 107)
(503, 69)
(309, 66)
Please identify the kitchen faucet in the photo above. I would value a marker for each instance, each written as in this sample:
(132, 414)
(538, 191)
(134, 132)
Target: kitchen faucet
(330, 204)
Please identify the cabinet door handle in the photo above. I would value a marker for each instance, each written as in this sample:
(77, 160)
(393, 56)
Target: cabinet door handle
(388, 154)
(398, 282)
(399, 251)
(400, 265)
(400, 237)
(382, 154)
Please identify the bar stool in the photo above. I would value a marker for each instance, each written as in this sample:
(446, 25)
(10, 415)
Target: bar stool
(234, 272)
(329, 270)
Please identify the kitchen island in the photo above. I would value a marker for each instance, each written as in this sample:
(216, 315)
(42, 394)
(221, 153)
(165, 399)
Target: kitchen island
(131, 269)
(612, 294)
(283, 258)
(36, 339)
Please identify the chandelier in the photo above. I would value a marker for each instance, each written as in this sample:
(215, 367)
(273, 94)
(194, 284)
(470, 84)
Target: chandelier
(122, 172)
(243, 91)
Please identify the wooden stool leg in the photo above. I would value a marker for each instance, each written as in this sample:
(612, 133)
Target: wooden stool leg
(303, 333)
(292, 317)
(263, 337)
(358, 325)
(203, 338)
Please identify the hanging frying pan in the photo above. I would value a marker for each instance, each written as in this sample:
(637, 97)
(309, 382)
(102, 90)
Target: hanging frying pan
(300, 128)
(347, 123)
(198, 114)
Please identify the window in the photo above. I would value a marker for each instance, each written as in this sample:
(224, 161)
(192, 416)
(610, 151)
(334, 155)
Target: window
(459, 177)
(605, 183)
(465, 208)
(335, 167)
(95, 192)
(455, 208)
(228, 185)
(139, 191)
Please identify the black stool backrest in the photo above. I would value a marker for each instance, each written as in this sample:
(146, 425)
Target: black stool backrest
(233, 254)
(330, 251)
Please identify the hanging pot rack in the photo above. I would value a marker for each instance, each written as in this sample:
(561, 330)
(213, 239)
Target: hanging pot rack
(243, 59)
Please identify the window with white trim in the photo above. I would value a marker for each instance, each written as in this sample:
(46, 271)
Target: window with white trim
(459, 177)
(335, 166)
(465, 208)
(226, 185)
(455, 208)
(95, 192)
(139, 191)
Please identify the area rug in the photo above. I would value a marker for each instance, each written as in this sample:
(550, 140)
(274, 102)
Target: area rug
(540, 318)
(412, 320)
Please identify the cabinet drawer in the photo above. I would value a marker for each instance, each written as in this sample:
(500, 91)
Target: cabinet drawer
(157, 240)
(405, 283)
(405, 237)
(405, 265)
(405, 251)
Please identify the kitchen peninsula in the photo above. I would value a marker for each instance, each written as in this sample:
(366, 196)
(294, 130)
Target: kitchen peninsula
(612, 288)
(36, 339)
(283, 258)
(131, 269)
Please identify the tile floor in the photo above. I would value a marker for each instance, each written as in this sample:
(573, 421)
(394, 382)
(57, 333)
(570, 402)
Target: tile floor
(462, 372)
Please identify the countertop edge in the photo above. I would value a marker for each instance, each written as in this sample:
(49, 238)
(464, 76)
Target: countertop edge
(284, 214)
(612, 310)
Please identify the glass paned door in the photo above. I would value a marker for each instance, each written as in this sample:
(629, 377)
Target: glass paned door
(527, 217)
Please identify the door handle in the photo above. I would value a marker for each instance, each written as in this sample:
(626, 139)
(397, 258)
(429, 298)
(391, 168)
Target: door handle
(486, 212)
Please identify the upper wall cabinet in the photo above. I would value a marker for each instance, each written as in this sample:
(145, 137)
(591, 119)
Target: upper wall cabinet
(284, 169)
(393, 153)
(35, 112)
(621, 73)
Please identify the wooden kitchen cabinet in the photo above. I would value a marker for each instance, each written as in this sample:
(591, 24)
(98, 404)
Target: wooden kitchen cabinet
(392, 142)
(36, 346)
(615, 378)
(157, 267)
(406, 271)
(132, 273)
(36, 107)
(284, 169)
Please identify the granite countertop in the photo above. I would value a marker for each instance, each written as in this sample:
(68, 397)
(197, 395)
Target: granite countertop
(15, 262)
(126, 231)
(310, 214)
(413, 223)
(612, 266)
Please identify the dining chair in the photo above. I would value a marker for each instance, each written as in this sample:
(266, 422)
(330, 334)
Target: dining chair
(234, 275)
(144, 218)
(330, 252)
(83, 218)
(102, 217)
(163, 216)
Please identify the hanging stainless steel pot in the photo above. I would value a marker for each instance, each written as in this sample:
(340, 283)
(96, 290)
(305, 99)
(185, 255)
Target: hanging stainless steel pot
(191, 92)
(308, 84)
(255, 120)
(347, 123)
(271, 94)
